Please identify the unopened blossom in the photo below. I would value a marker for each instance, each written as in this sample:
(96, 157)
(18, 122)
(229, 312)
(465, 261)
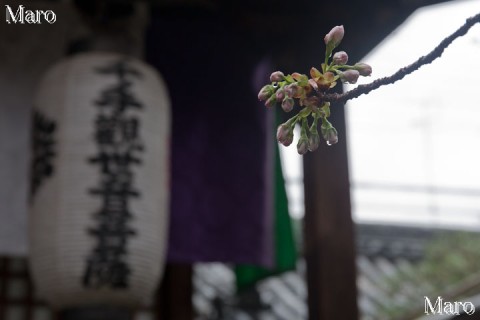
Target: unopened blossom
(277, 76)
(330, 134)
(299, 77)
(340, 57)
(350, 76)
(299, 92)
(279, 95)
(285, 134)
(335, 36)
(291, 90)
(287, 104)
(313, 140)
(302, 145)
(271, 101)
(266, 92)
(363, 68)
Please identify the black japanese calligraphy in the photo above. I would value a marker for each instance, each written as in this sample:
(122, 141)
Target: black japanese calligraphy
(119, 152)
(43, 145)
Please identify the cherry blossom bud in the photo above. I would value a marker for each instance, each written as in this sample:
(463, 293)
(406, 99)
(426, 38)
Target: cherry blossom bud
(340, 57)
(287, 104)
(363, 68)
(279, 95)
(266, 92)
(277, 76)
(335, 36)
(302, 145)
(285, 134)
(350, 76)
(271, 101)
(291, 90)
(313, 140)
(329, 134)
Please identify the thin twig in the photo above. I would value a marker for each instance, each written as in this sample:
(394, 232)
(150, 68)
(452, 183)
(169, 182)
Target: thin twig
(434, 54)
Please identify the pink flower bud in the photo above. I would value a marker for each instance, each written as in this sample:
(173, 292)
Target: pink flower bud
(271, 101)
(291, 90)
(302, 145)
(287, 104)
(330, 135)
(285, 134)
(340, 57)
(277, 76)
(335, 36)
(363, 68)
(313, 141)
(266, 92)
(279, 95)
(350, 76)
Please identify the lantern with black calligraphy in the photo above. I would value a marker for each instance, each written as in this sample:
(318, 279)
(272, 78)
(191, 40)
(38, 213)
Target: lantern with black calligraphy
(98, 224)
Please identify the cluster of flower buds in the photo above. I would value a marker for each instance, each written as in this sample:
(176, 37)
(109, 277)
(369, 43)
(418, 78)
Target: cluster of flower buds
(287, 90)
(309, 136)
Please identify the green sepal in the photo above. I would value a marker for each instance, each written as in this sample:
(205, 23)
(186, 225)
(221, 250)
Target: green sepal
(305, 112)
(325, 109)
(289, 79)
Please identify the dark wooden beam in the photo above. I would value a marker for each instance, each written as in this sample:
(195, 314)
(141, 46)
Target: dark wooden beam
(175, 293)
(329, 232)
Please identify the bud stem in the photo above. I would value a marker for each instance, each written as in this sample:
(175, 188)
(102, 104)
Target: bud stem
(293, 120)
(305, 112)
(304, 127)
(316, 116)
(328, 53)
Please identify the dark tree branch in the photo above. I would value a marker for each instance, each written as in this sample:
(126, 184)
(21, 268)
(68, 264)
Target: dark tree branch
(434, 54)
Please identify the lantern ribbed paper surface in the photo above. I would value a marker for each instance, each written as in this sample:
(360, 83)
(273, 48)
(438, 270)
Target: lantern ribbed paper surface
(100, 179)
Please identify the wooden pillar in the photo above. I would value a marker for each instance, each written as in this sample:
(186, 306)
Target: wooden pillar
(175, 294)
(329, 232)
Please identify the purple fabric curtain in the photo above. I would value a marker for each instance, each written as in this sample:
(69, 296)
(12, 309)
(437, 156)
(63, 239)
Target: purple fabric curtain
(222, 161)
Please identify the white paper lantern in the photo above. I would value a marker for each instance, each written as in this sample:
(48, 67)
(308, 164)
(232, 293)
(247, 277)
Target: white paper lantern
(99, 207)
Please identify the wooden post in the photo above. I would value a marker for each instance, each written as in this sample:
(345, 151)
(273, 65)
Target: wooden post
(175, 293)
(329, 232)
